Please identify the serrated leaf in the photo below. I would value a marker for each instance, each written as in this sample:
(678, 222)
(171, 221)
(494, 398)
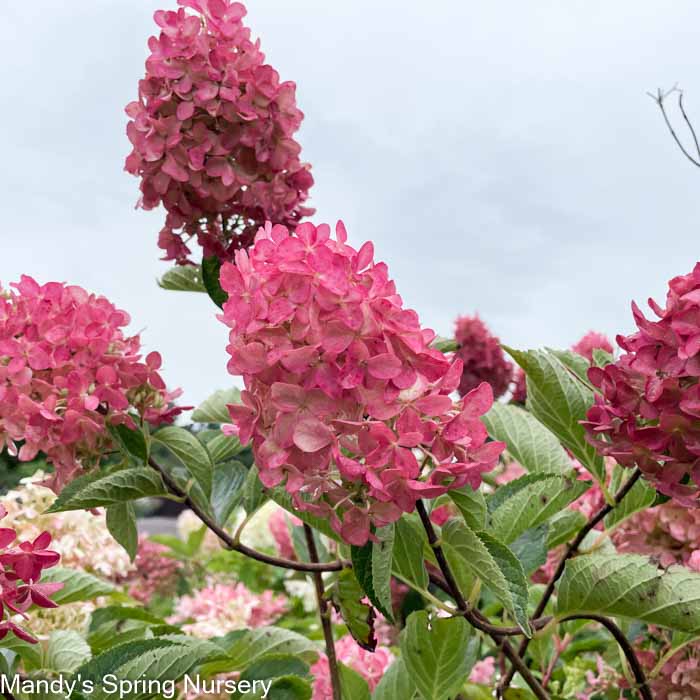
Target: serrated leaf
(254, 495)
(530, 549)
(631, 586)
(117, 613)
(183, 278)
(213, 409)
(77, 585)
(131, 443)
(435, 653)
(347, 596)
(532, 445)
(372, 566)
(396, 683)
(121, 523)
(640, 496)
(224, 447)
(577, 364)
(472, 506)
(602, 357)
(227, 489)
(533, 504)
(111, 489)
(564, 526)
(191, 452)
(211, 269)
(493, 563)
(409, 539)
(66, 651)
(559, 401)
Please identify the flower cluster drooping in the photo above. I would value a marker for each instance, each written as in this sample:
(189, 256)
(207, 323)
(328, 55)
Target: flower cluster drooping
(648, 411)
(482, 357)
(66, 372)
(345, 401)
(370, 665)
(213, 133)
(21, 567)
(221, 608)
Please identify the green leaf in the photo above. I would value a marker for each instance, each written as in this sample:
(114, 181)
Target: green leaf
(630, 586)
(472, 505)
(29, 653)
(227, 489)
(111, 489)
(353, 686)
(534, 447)
(445, 344)
(214, 410)
(527, 502)
(601, 357)
(560, 401)
(183, 278)
(190, 451)
(396, 683)
(254, 495)
(435, 653)
(347, 596)
(162, 659)
(577, 364)
(530, 549)
(492, 562)
(211, 268)
(77, 585)
(121, 523)
(372, 566)
(409, 539)
(564, 526)
(640, 496)
(286, 688)
(117, 613)
(246, 647)
(131, 443)
(66, 651)
(224, 447)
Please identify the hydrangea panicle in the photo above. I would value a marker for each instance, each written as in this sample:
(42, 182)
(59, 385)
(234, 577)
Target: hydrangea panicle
(648, 411)
(482, 357)
(67, 371)
(345, 403)
(213, 133)
(21, 567)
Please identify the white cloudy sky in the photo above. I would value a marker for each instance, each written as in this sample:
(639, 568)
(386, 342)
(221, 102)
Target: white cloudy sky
(502, 155)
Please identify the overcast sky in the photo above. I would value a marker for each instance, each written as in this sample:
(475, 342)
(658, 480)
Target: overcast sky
(503, 156)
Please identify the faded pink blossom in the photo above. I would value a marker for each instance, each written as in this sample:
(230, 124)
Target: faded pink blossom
(371, 665)
(220, 608)
(154, 572)
(213, 133)
(67, 371)
(482, 357)
(346, 403)
(648, 411)
(484, 671)
(590, 342)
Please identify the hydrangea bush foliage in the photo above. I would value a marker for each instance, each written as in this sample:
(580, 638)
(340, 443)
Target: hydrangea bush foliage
(372, 512)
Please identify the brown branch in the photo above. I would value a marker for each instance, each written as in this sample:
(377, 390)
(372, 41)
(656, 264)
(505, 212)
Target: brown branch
(324, 612)
(632, 660)
(230, 542)
(473, 616)
(571, 549)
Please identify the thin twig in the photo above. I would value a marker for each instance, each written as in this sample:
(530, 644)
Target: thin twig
(571, 549)
(688, 122)
(659, 99)
(231, 543)
(324, 612)
(473, 616)
(632, 660)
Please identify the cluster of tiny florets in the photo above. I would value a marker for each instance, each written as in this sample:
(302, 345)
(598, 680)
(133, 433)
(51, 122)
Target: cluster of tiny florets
(346, 403)
(67, 371)
(213, 133)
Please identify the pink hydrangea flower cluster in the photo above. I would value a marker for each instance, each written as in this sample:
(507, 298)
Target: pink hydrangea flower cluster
(213, 133)
(482, 357)
(345, 401)
(21, 567)
(220, 608)
(648, 411)
(66, 371)
(154, 572)
(370, 665)
(590, 342)
(484, 671)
